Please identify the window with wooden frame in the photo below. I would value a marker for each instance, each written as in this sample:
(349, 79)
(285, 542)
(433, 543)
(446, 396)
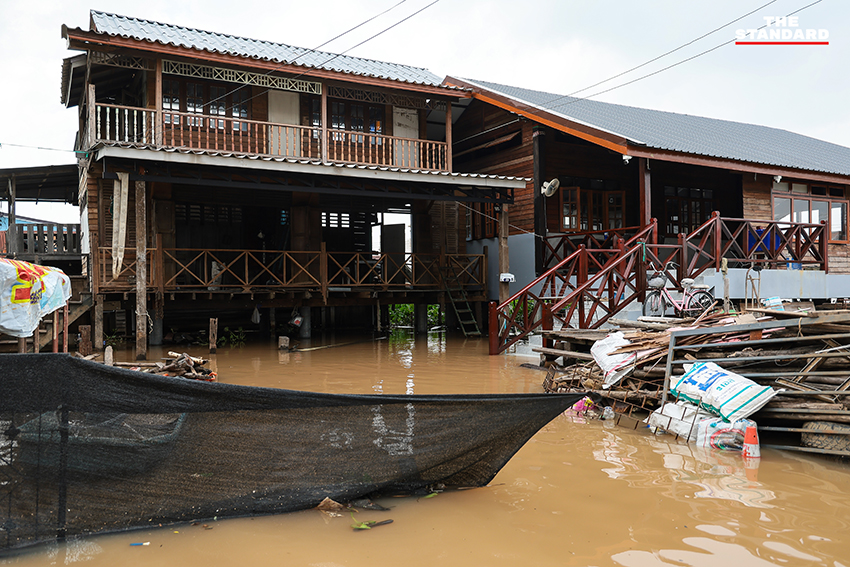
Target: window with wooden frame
(686, 208)
(207, 99)
(590, 209)
(812, 203)
(481, 221)
(355, 117)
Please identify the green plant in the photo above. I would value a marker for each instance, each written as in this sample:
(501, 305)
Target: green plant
(401, 315)
(113, 339)
(234, 338)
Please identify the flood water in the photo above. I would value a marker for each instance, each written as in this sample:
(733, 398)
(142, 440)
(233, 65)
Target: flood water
(581, 492)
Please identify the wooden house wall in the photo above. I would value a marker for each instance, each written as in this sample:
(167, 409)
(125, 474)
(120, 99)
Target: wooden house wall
(513, 158)
(568, 156)
(757, 205)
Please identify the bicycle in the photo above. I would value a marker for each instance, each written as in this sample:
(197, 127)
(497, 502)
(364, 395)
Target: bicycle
(695, 299)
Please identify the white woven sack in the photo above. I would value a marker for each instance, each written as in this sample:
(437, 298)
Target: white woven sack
(724, 393)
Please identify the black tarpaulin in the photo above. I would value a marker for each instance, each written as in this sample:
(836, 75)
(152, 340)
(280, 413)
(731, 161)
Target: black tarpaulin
(86, 448)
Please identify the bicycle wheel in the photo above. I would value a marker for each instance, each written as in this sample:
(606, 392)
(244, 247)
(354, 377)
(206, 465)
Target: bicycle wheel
(698, 303)
(654, 305)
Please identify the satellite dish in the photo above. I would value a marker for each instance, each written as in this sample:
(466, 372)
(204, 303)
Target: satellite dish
(550, 187)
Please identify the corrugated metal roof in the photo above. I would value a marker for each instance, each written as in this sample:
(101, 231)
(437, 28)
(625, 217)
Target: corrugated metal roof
(689, 134)
(168, 34)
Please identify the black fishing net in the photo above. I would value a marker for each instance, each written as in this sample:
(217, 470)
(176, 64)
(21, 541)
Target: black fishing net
(86, 448)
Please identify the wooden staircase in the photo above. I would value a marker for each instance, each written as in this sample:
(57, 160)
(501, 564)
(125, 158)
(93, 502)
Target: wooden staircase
(460, 302)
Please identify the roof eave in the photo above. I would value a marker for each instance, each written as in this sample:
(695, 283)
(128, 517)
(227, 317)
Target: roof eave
(78, 39)
(592, 134)
(736, 165)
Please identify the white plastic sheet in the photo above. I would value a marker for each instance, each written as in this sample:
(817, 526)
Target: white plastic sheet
(28, 292)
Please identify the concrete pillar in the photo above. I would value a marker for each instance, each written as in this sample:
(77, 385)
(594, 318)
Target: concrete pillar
(305, 332)
(420, 317)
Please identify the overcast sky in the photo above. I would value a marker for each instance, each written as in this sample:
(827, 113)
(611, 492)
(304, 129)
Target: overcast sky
(559, 46)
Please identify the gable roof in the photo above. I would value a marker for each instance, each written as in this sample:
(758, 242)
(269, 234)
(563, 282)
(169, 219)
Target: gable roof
(178, 36)
(682, 133)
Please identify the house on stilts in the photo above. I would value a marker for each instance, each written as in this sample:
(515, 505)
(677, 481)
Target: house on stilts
(220, 174)
(639, 188)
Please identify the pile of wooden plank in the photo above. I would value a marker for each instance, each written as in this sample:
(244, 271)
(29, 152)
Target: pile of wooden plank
(178, 364)
(802, 353)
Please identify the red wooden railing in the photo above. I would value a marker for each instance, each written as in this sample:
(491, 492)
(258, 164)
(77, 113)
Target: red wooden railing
(590, 285)
(562, 292)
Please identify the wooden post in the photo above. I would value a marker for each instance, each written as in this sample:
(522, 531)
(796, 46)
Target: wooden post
(98, 323)
(22, 345)
(65, 329)
(580, 280)
(539, 199)
(158, 103)
(448, 135)
(92, 110)
(645, 192)
(323, 271)
(12, 232)
(324, 145)
(493, 324)
(718, 242)
(213, 334)
(824, 246)
(85, 340)
(141, 273)
(56, 331)
(504, 260)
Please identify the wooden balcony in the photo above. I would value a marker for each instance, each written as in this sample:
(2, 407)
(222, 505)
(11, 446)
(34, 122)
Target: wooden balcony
(40, 242)
(140, 127)
(172, 270)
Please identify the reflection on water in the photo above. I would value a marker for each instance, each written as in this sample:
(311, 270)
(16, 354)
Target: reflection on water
(581, 492)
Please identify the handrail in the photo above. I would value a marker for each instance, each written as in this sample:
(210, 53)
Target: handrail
(202, 269)
(139, 126)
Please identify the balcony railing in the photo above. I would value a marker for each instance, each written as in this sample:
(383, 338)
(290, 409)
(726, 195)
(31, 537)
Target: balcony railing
(43, 239)
(139, 127)
(240, 271)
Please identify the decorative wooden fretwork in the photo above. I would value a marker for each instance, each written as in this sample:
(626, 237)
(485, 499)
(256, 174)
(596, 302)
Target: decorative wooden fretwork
(242, 77)
(377, 97)
(125, 61)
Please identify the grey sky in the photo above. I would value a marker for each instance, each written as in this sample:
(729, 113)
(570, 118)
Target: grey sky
(552, 45)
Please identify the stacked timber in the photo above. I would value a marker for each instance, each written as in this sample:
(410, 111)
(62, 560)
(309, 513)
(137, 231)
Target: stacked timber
(178, 364)
(804, 354)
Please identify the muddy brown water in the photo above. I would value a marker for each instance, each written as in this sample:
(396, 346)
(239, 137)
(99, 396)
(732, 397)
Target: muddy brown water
(581, 492)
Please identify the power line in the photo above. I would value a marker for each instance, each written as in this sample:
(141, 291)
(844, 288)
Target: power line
(716, 47)
(316, 48)
(654, 59)
(41, 148)
(323, 63)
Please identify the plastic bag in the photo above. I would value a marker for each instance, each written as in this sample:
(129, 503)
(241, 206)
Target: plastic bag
(255, 317)
(724, 393)
(28, 292)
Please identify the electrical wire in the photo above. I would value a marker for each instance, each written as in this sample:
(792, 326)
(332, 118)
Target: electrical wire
(542, 106)
(325, 62)
(361, 24)
(654, 59)
(485, 215)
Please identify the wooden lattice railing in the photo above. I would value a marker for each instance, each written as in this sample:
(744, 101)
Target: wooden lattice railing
(173, 269)
(584, 289)
(588, 286)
